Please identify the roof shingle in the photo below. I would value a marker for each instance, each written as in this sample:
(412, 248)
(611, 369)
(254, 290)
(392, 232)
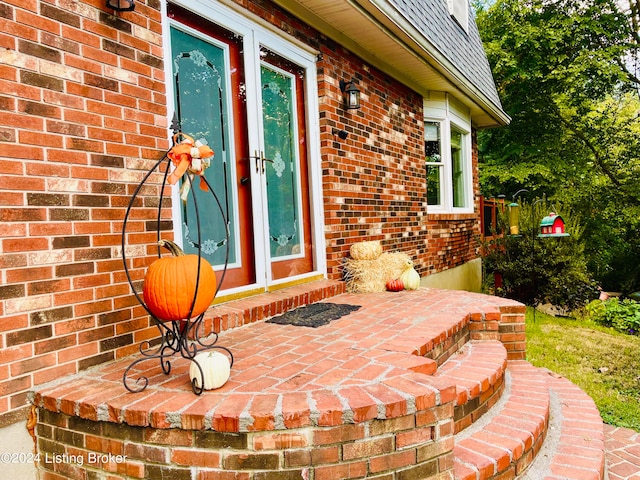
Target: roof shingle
(462, 48)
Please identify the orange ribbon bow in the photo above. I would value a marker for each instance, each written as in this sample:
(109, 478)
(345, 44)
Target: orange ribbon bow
(189, 156)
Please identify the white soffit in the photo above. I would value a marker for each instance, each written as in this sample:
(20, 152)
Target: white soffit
(385, 39)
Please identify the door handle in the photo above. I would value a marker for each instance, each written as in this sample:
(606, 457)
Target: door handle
(244, 180)
(260, 161)
(257, 159)
(263, 163)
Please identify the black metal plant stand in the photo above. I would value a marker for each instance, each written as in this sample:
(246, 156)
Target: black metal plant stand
(177, 337)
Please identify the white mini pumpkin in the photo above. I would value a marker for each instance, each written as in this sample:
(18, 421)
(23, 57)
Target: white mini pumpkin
(410, 277)
(216, 369)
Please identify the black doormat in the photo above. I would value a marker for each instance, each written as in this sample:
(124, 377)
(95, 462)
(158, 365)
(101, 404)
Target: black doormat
(314, 315)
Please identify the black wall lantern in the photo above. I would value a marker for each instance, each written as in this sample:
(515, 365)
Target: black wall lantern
(351, 95)
(121, 5)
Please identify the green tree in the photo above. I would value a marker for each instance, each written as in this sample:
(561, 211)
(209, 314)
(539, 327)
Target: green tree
(566, 71)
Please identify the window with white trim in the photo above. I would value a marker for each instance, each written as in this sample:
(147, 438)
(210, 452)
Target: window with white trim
(447, 147)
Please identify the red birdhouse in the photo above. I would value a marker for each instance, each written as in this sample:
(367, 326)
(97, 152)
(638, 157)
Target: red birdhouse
(552, 226)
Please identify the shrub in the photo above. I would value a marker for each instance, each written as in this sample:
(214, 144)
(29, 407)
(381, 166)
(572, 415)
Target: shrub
(538, 270)
(621, 315)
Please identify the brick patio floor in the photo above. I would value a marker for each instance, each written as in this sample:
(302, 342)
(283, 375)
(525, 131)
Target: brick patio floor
(375, 345)
(623, 453)
(380, 342)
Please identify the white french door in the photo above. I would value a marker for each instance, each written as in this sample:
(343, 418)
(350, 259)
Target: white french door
(251, 96)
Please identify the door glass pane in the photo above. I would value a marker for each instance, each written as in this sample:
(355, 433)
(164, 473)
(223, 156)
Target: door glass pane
(201, 104)
(281, 164)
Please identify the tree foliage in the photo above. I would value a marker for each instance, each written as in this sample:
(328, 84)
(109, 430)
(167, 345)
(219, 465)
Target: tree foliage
(567, 74)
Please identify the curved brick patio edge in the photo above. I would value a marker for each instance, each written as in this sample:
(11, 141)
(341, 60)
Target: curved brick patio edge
(358, 368)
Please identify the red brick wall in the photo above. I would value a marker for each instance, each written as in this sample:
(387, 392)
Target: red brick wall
(414, 446)
(83, 108)
(374, 181)
(84, 115)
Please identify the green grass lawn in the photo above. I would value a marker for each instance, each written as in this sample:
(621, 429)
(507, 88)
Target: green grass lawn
(604, 363)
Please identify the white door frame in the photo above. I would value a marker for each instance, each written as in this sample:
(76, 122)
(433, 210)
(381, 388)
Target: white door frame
(255, 33)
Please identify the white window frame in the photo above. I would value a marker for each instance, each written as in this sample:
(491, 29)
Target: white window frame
(451, 116)
(435, 163)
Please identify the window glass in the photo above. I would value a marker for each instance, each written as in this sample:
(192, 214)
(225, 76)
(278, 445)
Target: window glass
(458, 168)
(433, 185)
(448, 154)
(447, 166)
(278, 119)
(433, 162)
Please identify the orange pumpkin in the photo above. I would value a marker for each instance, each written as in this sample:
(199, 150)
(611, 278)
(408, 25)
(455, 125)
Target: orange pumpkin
(395, 285)
(170, 285)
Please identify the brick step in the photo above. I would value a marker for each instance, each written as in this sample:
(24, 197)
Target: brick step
(574, 448)
(504, 441)
(477, 370)
(244, 311)
(543, 428)
(358, 397)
